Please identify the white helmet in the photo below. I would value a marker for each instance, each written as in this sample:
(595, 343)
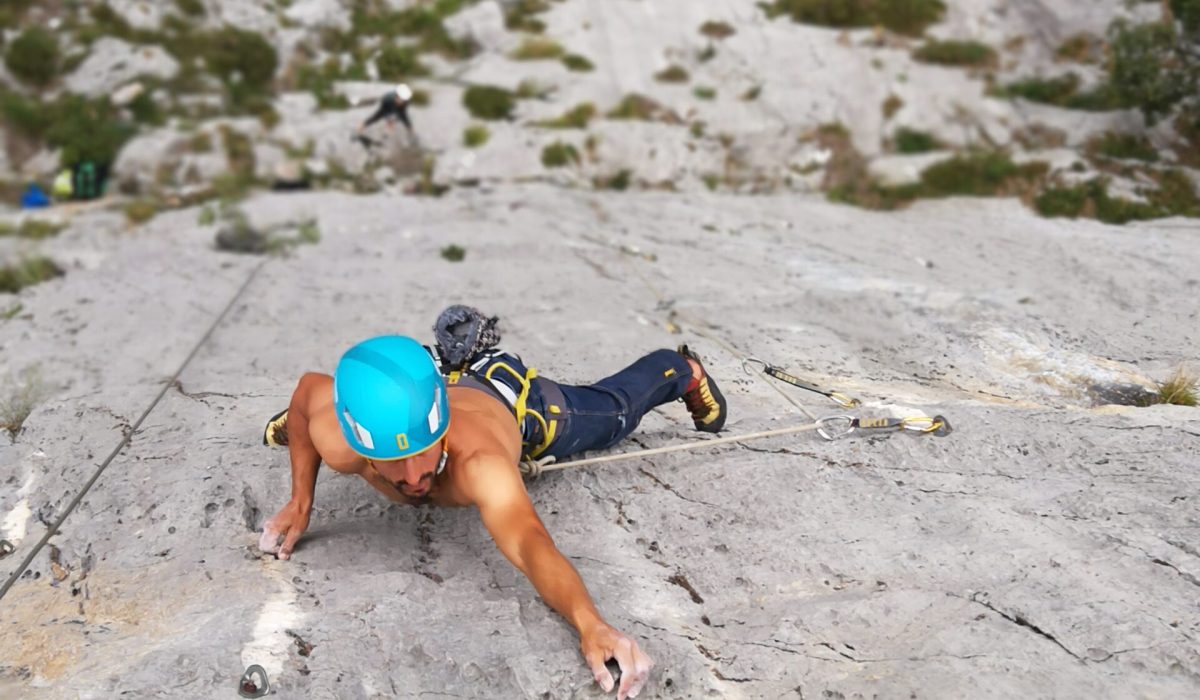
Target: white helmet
(404, 92)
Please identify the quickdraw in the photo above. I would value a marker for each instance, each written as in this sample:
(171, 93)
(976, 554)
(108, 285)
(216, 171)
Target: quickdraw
(249, 687)
(837, 427)
(836, 396)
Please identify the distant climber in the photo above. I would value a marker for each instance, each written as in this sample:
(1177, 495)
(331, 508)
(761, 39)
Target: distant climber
(392, 106)
(449, 426)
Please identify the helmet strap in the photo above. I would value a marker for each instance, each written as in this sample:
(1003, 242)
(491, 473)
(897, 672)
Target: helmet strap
(445, 456)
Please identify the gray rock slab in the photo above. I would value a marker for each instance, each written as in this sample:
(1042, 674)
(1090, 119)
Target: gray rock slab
(113, 63)
(1044, 548)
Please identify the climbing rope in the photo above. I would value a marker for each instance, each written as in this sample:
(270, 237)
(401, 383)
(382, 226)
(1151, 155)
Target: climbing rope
(829, 427)
(129, 432)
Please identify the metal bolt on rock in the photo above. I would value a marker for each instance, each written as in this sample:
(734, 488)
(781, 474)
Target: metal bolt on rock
(6, 548)
(248, 687)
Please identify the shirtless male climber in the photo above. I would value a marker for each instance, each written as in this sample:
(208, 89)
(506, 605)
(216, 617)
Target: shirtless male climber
(444, 431)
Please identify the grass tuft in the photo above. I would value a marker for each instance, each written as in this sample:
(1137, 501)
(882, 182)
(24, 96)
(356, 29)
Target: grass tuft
(1179, 389)
(717, 30)
(575, 118)
(911, 141)
(577, 63)
(19, 400)
(475, 135)
(454, 253)
(956, 53)
(33, 229)
(537, 48)
(1111, 144)
(559, 154)
(26, 273)
(673, 73)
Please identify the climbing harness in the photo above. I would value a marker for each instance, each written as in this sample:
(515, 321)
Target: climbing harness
(829, 427)
(130, 432)
(771, 371)
(248, 687)
(6, 548)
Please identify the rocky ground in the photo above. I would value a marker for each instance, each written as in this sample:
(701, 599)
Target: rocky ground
(1046, 547)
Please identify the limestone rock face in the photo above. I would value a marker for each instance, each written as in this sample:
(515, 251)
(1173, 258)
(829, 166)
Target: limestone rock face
(113, 63)
(319, 13)
(140, 14)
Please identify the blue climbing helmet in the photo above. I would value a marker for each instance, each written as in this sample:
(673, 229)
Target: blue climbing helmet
(390, 398)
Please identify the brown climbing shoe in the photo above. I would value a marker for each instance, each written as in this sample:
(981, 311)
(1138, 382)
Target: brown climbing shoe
(275, 434)
(704, 400)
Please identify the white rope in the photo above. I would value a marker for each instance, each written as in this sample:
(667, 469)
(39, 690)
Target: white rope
(534, 468)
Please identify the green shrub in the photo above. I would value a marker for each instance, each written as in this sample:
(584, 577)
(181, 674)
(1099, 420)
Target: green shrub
(575, 118)
(33, 57)
(1091, 199)
(26, 273)
(33, 229)
(85, 129)
(1077, 47)
(891, 105)
(619, 181)
(956, 53)
(397, 63)
(1147, 69)
(1187, 13)
(489, 102)
(475, 135)
(1124, 146)
(579, 64)
(1062, 202)
(191, 8)
(673, 73)
(752, 93)
(520, 16)
(909, 17)
(140, 210)
(717, 30)
(704, 92)
(635, 106)
(454, 253)
(559, 154)
(978, 174)
(913, 141)
(319, 80)
(423, 22)
(536, 48)
(1063, 91)
(242, 56)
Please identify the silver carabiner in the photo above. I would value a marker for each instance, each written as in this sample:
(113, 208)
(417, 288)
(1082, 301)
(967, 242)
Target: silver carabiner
(750, 361)
(835, 427)
(248, 687)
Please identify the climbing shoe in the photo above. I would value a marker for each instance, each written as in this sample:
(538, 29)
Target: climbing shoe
(275, 434)
(703, 399)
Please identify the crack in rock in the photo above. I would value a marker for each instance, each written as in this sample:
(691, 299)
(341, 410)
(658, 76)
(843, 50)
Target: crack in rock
(1021, 621)
(680, 580)
(668, 487)
(1186, 576)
